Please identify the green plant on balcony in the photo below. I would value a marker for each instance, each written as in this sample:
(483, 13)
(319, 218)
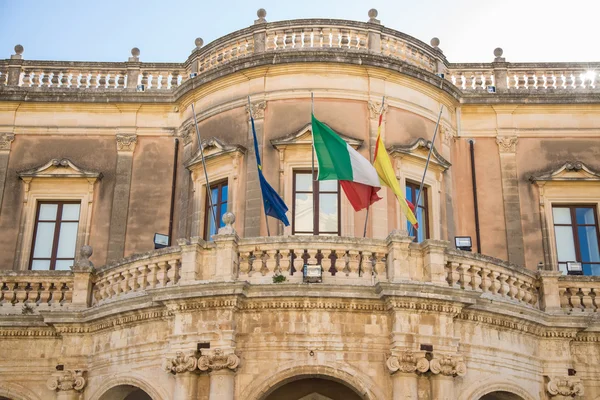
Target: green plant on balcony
(278, 278)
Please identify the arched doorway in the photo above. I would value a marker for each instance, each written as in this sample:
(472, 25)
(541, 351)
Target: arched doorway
(312, 388)
(125, 392)
(501, 395)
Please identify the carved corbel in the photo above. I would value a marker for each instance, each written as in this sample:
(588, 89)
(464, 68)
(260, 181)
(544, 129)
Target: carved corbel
(258, 109)
(5, 141)
(507, 144)
(218, 360)
(407, 361)
(565, 386)
(126, 143)
(71, 379)
(181, 363)
(375, 109)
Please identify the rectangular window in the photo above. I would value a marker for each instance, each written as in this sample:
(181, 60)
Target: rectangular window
(219, 196)
(422, 210)
(310, 195)
(55, 235)
(576, 231)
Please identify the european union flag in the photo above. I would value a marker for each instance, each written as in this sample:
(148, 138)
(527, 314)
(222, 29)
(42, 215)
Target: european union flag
(274, 205)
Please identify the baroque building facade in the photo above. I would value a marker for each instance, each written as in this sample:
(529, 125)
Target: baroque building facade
(96, 158)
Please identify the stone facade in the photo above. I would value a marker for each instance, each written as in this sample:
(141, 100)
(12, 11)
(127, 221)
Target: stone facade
(229, 317)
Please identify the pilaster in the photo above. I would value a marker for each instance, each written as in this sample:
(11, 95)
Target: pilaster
(397, 260)
(187, 135)
(254, 213)
(83, 273)
(226, 253)
(221, 368)
(404, 368)
(120, 204)
(186, 379)
(6, 140)
(68, 385)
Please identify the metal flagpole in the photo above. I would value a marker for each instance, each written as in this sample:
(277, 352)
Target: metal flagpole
(209, 192)
(368, 208)
(258, 166)
(312, 152)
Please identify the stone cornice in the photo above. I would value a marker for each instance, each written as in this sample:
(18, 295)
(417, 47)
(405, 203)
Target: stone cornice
(59, 168)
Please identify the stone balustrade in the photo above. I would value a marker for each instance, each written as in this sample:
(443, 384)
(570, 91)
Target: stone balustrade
(579, 293)
(35, 289)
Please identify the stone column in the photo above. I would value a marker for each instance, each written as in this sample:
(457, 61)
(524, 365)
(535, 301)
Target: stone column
(379, 210)
(68, 384)
(434, 262)
(5, 141)
(221, 368)
(186, 380)
(221, 385)
(397, 260)
(133, 68)
(190, 270)
(444, 368)
(374, 35)
(83, 272)
(254, 213)
(120, 204)
(260, 36)
(500, 70)
(507, 146)
(550, 296)
(404, 368)
(227, 250)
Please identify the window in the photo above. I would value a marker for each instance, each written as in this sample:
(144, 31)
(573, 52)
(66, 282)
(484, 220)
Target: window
(422, 211)
(55, 235)
(219, 196)
(310, 195)
(576, 231)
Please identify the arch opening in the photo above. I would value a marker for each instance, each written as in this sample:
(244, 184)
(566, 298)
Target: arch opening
(125, 392)
(501, 395)
(312, 387)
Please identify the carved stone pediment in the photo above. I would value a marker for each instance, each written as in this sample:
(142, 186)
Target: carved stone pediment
(214, 148)
(419, 150)
(304, 137)
(569, 171)
(59, 168)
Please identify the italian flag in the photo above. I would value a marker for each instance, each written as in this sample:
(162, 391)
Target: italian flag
(338, 161)
(383, 166)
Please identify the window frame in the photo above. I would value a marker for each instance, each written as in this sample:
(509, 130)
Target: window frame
(316, 206)
(425, 197)
(574, 225)
(207, 214)
(56, 237)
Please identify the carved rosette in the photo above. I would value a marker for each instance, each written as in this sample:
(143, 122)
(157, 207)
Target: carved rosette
(126, 142)
(375, 109)
(181, 363)
(565, 386)
(258, 109)
(218, 361)
(5, 141)
(448, 365)
(507, 144)
(407, 362)
(67, 380)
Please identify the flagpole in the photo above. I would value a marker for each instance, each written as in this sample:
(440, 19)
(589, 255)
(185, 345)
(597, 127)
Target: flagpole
(209, 192)
(257, 168)
(312, 151)
(378, 127)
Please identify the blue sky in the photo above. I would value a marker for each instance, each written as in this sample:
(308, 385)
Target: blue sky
(469, 30)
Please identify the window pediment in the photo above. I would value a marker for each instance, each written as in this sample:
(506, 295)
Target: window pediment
(304, 137)
(59, 168)
(569, 171)
(418, 150)
(213, 149)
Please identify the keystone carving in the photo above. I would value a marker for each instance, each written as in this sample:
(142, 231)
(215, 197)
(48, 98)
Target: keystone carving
(258, 109)
(507, 144)
(181, 363)
(5, 140)
(126, 142)
(448, 365)
(408, 362)
(218, 361)
(375, 109)
(67, 380)
(565, 386)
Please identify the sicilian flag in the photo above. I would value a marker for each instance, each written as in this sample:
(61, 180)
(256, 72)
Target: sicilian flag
(338, 161)
(274, 205)
(387, 177)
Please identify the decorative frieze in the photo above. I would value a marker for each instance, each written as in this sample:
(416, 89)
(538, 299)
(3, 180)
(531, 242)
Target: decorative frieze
(126, 142)
(67, 380)
(565, 386)
(217, 360)
(408, 361)
(448, 365)
(5, 140)
(258, 109)
(181, 363)
(507, 144)
(375, 109)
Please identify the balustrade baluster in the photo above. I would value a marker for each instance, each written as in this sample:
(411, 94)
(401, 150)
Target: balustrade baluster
(244, 263)
(586, 299)
(44, 291)
(284, 262)
(173, 272)
(326, 261)
(174, 79)
(307, 39)
(503, 286)
(512, 289)
(67, 293)
(380, 267)
(143, 277)
(162, 275)
(464, 276)
(366, 264)
(270, 261)
(279, 44)
(353, 263)
(21, 292)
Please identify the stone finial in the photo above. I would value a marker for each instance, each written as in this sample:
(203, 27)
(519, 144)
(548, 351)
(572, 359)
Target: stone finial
(498, 54)
(261, 14)
(135, 54)
(199, 43)
(84, 262)
(435, 42)
(18, 52)
(373, 16)
(181, 363)
(67, 380)
(228, 219)
(217, 360)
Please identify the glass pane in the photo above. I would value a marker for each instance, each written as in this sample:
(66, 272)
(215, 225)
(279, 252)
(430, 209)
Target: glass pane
(591, 269)
(66, 239)
(328, 186)
(421, 220)
(328, 212)
(561, 215)
(409, 194)
(585, 216)
(303, 217)
(70, 212)
(220, 216)
(224, 193)
(48, 212)
(422, 198)
(63, 265)
(304, 183)
(38, 265)
(43, 240)
(211, 223)
(215, 194)
(562, 267)
(564, 243)
(588, 243)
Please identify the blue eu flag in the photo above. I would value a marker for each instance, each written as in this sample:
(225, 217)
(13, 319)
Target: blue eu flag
(274, 205)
